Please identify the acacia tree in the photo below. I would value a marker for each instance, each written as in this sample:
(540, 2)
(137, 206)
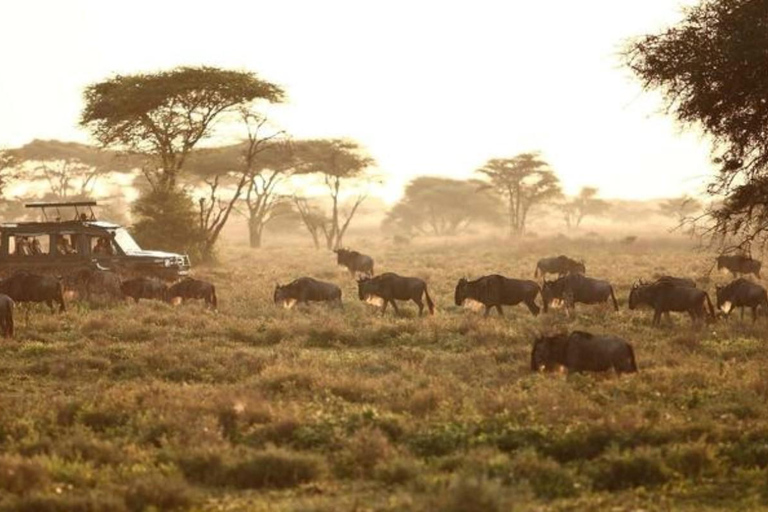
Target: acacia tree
(8, 171)
(313, 218)
(584, 204)
(164, 115)
(680, 208)
(69, 169)
(442, 206)
(524, 181)
(337, 162)
(230, 174)
(708, 70)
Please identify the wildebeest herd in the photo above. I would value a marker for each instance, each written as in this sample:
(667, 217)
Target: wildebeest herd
(577, 351)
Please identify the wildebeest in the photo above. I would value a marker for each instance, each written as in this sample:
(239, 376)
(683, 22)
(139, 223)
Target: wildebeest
(573, 288)
(739, 264)
(95, 282)
(665, 296)
(355, 261)
(190, 288)
(391, 287)
(495, 291)
(560, 265)
(583, 352)
(741, 293)
(144, 288)
(306, 289)
(6, 315)
(26, 287)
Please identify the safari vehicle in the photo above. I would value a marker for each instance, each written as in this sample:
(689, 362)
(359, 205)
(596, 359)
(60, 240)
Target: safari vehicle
(74, 239)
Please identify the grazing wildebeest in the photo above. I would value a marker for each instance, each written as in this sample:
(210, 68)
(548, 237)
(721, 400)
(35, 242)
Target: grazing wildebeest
(741, 293)
(573, 288)
(665, 296)
(739, 264)
(26, 287)
(560, 265)
(306, 289)
(355, 261)
(6, 315)
(190, 288)
(144, 288)
(95, 282)
(583, 352)
(391, 287)
(495, 291)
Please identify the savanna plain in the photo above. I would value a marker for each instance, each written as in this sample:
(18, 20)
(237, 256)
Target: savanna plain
(257, 407)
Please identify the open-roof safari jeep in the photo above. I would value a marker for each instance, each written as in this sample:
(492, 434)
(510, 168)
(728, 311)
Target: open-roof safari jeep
(61, 245)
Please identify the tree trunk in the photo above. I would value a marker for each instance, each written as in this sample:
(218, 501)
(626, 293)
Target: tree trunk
(255, 230)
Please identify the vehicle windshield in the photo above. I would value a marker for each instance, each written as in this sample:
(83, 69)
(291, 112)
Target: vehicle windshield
(126, 241)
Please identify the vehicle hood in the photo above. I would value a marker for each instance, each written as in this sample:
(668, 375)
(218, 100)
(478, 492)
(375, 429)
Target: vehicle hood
(154, 254)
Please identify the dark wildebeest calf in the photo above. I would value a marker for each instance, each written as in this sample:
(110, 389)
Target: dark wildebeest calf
(144, 288)
(191, 288)
(575, 288)
(583, 352)
(741, 293)
(355, 262)
(26, 287)
(495, 291)
(665, 296)
(6, 315)
(739, 264)
(306, 289)
(560, 265)
(391, 287)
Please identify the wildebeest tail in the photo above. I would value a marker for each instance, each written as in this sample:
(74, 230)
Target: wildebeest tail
(60, 296)
(613, 297)
(430, 304)
(709, 305)
(633, 362)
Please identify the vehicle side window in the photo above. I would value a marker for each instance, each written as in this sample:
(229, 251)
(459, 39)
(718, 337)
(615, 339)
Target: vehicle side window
(66, 245)
(22, 245)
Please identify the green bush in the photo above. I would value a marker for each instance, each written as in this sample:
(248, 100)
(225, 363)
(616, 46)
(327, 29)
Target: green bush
(21, 476)
(273, 468)
(167, 221)
(157, 492)
(616, 471)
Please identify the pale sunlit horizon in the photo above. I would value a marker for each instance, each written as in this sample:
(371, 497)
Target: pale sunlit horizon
(427, 87)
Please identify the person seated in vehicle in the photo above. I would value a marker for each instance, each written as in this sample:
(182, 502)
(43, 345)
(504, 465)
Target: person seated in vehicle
(103, 246)
(35, 247)
(63, 246)
(22, 246)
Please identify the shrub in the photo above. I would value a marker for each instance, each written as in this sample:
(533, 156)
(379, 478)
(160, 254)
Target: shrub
(66, 503)
(398, 470)
(471, 495)
(167, 221)
(273, 468)
(21, 476)
(365, 450)
(547, 478)
(159, 493)
(617, 471)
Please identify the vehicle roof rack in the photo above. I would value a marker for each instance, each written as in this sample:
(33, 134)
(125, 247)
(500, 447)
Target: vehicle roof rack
(77, 205)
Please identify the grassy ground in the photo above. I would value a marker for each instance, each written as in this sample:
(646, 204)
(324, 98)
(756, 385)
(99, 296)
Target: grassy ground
(261, 408)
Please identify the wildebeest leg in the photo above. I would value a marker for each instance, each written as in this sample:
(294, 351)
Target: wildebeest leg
(487, 311)
(50, 305)
(742, 313)
(394, 306)
(754, 314)
(384, 306)
(532, 307)
(498, 308)
(136, 300)
(420, 304)
(656, 317)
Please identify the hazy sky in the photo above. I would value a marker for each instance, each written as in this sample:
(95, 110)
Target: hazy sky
(429, 87)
